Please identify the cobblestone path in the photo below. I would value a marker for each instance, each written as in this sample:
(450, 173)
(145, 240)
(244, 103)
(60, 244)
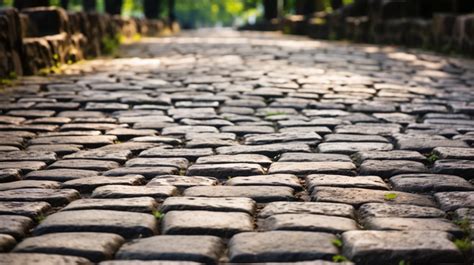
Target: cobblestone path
(241, 148)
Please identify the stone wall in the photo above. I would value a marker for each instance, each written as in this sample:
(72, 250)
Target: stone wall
(45, 37)
(438, 25)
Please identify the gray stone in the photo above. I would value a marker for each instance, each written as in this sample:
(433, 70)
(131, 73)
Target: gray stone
(7, 242)
(138, 204)
(24, 184)
(225, 170)
(7, 175)
(177, 162)
(353, 147)
(15, 225)
(51, 196)
(258, 193)
(411, 224)
(122, 191)
(93, 246)
(306, 168)
(127, 224)
(389, 155)
(367, 128)
(454, 153)
(417, 247)
(23, 166)
(388, 168)
(190, 154)
(356, 197)
(85, 164)
(147, 172)
(267, 149)
(321, 208)
(46, 157)
(87, 185)
(288, 180)
(235, 204)
(89, 141)
(182, 181)
(40, 259)
(270, 138)
(368, 182)
(462, 168)
(203, 249)
(399, 210)
(223, 224)
(429, 183)
(313, 157)
(243, 158)
(29, 209)
(308, 222)
(281, 246)
(60, 174)
(119, 156)
(450, 201)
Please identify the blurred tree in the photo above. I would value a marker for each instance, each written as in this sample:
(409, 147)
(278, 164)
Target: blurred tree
(20, 4)
(113, 7)
(171, 11)
(151, 8)
(89, 5)
(270, 8)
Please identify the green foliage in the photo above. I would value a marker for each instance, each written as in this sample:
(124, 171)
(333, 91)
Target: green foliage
(110, 45)
(339, 258)
(403, 262)
(337, 243)
(40, 218)
(390, 196)
(464, 244)
(432, 158)
(157, 214)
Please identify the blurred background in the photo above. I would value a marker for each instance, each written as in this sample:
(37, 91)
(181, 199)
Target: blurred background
(189, 13)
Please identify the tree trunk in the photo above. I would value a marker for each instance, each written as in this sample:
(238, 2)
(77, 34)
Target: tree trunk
(65, 4)
(270, 9)
(171, 11)
(113, 7)
(151, 8)
(89, 5)
(20, 4)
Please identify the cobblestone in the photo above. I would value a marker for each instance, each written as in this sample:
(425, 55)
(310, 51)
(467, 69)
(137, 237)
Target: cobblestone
(241, 147)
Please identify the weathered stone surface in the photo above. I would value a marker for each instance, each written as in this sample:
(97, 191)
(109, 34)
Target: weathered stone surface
(267, 180)
(7, 175)
(235, 204)
(267, 149)
(411, 224)
(257, 193)
(25, 184)
(139, 204)
(87, 185)
(462, 168)
(190, 154)
(40, 259)
(281, 246)
(353, 147)
(29, 209)
(308, 222)
(225, 170)
(203, 249)
(147, 172)
(122, 191)
(313, 157)
(182, 181)
(454, 153)
(450, 201)
(368, 182)
(61, 174)
(372, 247)
(51, 196)
(429, 183)
(223, 224)
(356, 197)
(306, 168)
(389, 155)
(22, 166)
(85, 164)
(46, 157)
(399, 210)
(15, 225)
(388, 168)
(7, 242)
(243, 158)
(271, 138)
(90, 141)
(126, 224)
(321, 208)
(119, 156)
(93, 246)
(180, 163)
